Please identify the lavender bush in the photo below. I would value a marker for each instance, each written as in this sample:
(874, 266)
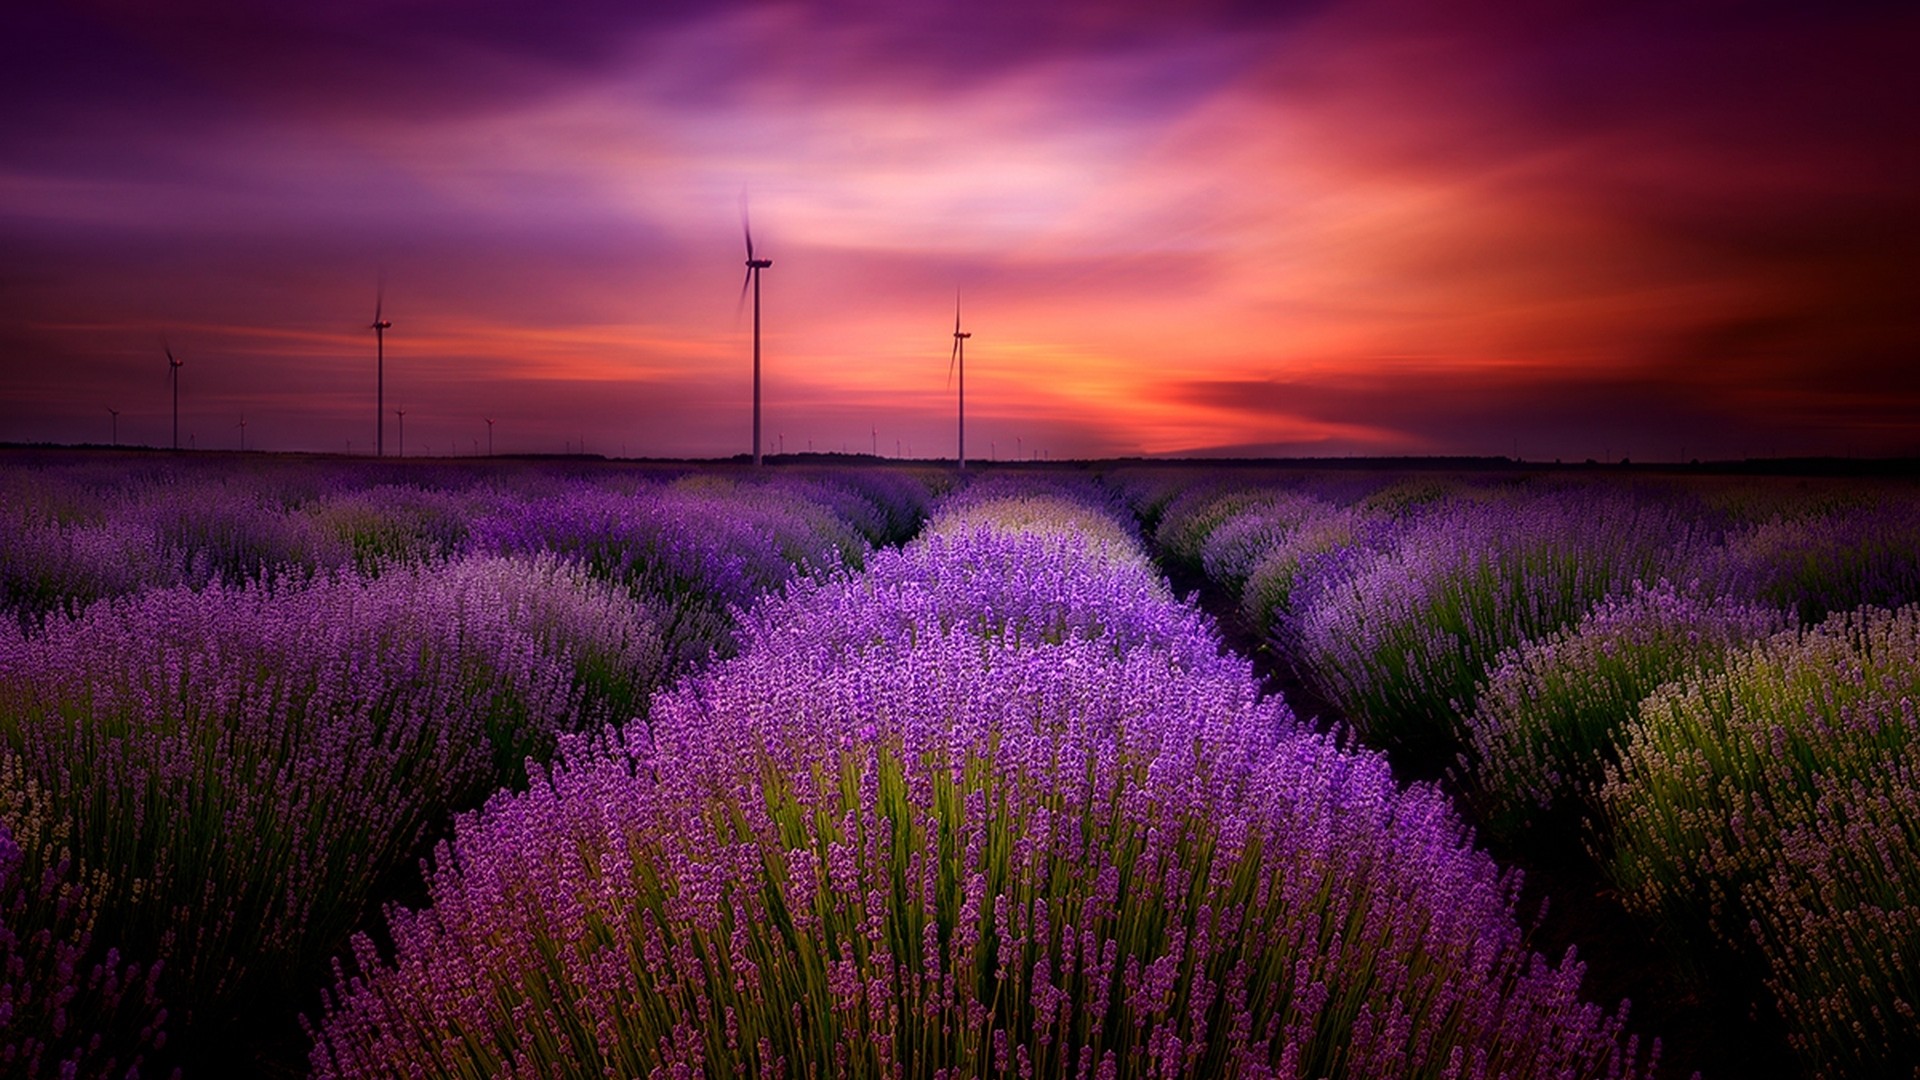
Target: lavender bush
(1309, 554)
(51, 566)
(1020, 586)
(1243, 540)
(68, 1006)
(1191, 518)
(222, 529)
(392, 523)
(1837, 921)
(875, 845)
(71, 535)
(1401, 640)
(1553, 711)
(1056, 504)
(1835, 559)
(65, 548)
(1770, 809)
(1411, 496)
(234, 770)
(691, 551)
(885, 506)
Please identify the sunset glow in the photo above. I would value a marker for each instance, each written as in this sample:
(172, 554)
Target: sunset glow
(1346, 227)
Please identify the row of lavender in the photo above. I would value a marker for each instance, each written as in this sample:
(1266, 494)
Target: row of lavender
(77, 532)
(994, 804)
(1708, 686)
(237, 707)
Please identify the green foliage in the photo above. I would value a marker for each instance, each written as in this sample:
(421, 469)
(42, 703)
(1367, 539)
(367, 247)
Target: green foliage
(1554, 711)
(1770, 812)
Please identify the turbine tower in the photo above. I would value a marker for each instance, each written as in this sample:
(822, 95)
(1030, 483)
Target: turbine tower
(173, 371)
(402, 414)
(489, 421)
(959, 358)
(116, 424)
(754, 266)
(380, 327)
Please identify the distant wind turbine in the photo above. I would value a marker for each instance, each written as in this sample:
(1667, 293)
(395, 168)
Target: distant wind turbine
(242, 425)
(380, 327)
(402, 414)
(489, 421)
(173, 372)
(116, 424)
(754, 266)
(959, 357)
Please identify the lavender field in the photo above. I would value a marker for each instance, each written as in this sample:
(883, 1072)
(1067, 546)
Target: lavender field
(359, 769)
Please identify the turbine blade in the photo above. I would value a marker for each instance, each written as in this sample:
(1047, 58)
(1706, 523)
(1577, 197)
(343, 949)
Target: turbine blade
(741, 304)
(951, 360)
(956, 310)
(745, 227)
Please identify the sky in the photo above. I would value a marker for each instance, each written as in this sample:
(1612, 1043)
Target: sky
(1669, 230)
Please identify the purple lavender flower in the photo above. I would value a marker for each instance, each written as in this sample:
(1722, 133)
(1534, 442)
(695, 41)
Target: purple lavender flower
(1401, 640)
(69, 1006)
(692, 550)
(1834, 558)
(949, 816)
(1554, 711)
(1244, 539)
(234, 770)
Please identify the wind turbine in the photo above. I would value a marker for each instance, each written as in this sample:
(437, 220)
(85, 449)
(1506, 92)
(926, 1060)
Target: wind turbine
(380, 327)
(242, 425)
(959, 357)
(116, 424)
(173, 371)
(402, 414)
(754, 266)
(489, 421)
